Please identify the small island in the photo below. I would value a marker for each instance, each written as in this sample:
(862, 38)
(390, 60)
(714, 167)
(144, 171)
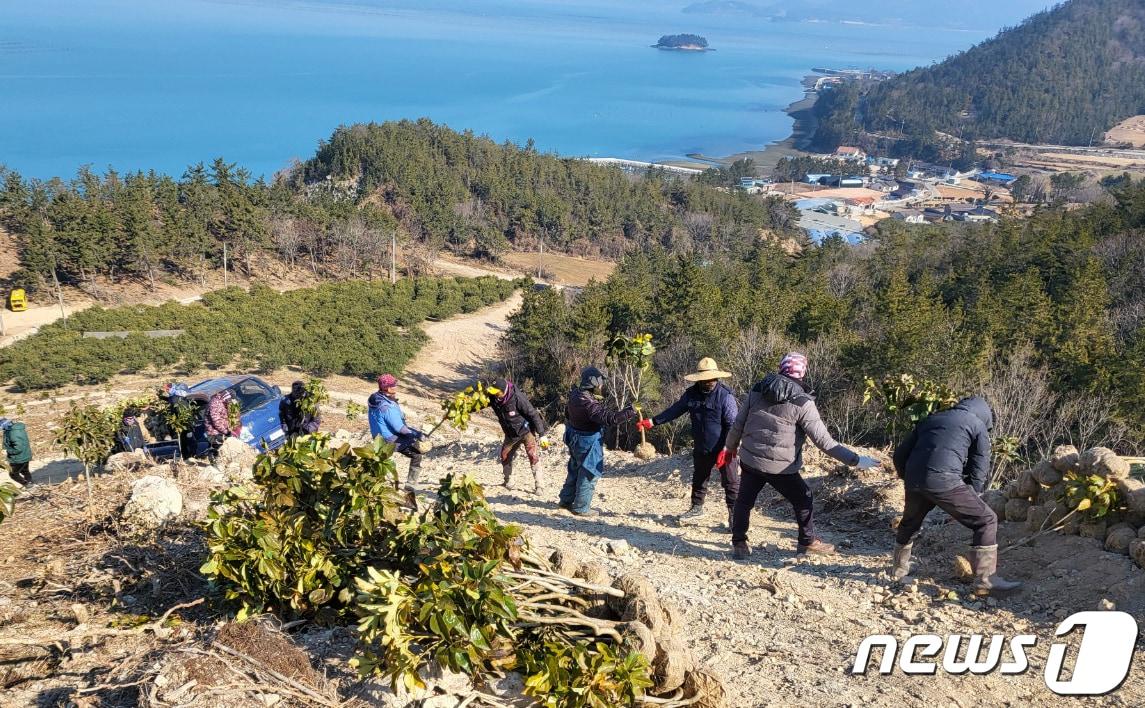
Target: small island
(683, 42)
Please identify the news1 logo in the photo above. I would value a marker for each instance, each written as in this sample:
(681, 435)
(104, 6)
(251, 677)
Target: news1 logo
(1101, 665)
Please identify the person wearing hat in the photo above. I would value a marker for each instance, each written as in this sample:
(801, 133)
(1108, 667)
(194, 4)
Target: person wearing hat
(18, 450)
(586, 417)
(711, 407)
(387, 419)
(778, 415)
(522, 425)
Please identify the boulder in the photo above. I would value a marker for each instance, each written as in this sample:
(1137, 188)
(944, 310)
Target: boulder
(154, 501)
(1104, 462)
(1064, 458)
(1137, 552)
(1119, 537)
(1045, 473)
(996, 500)
(1093, 529)
(1017, 510)
(125, 461)
(1133, 494)
(236, 460)
(1028, 487)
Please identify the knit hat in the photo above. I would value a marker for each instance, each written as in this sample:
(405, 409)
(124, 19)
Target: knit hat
(794, 365)
(387, 381)
(592, 379)
(298, 388)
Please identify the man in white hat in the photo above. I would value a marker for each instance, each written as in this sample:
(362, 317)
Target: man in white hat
(712, 408)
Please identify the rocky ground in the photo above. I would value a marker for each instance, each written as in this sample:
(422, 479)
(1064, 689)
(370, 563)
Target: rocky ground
(84, 585)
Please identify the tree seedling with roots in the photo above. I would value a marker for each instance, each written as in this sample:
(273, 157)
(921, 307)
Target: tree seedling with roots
(630, 358)
(907, 400)
(313, 396)
(1092, 495)
(465, 404)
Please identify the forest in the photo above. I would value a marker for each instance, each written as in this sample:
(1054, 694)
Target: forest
(356, 328)
(676, 41)
(1064, 76)
(336, 213)
(1044, 316)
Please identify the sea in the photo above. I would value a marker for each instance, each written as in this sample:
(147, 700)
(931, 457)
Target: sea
(163, 84)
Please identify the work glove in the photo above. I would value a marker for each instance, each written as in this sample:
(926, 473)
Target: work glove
(867, 463)
(725, 457)
(644, 424)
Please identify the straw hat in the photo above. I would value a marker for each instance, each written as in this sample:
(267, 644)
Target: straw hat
(707, 370)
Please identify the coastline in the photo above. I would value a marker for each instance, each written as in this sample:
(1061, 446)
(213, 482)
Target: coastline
(791, 146)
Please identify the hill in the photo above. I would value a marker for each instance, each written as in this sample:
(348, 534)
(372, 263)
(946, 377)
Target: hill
(1062, 76)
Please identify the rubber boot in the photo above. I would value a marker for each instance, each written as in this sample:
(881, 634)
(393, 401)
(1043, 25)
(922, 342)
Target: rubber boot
(730, 514)
(414, 472)
(692, 514)
(984, 561)
(901, 565)
(507, 471)
(740, 550)
(536, 479)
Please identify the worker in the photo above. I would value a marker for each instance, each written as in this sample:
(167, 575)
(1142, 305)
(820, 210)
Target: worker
(711, 407)
(945, 462)
(778, 414)
(523, 427)
(387, 419)
(291, 413)
(587, 416)
(17, 449)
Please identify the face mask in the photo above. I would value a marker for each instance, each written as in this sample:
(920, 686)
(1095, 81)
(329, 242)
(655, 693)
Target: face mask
(708, 386)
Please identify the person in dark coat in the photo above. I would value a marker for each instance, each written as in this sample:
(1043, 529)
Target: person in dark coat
(296, 421)
(711, 407)
(18, 450)
(586, 418)
(776, 418)
(130, 434)
(945, 462)
(523, 427)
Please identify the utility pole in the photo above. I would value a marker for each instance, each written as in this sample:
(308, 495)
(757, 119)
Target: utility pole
(224, 264)
(393, 256)
(3, 332)
(540, 258)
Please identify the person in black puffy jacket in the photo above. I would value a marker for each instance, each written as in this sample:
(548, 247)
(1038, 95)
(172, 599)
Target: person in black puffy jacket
(522, 425)
(945, 462)
(587, 417)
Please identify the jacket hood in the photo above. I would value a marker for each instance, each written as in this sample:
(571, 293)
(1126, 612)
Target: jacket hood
(980, 408)
(375, 399)
(777, 388)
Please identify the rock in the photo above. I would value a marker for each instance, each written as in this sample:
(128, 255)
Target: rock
(1106, 605)
(1119, 537)
(1104, 462)
(1017, 510)
(209, 474)
(1047, 474)
(445, 701)
(962, 567)
(1133, 494)
(1037, 518)
(125, 461)
(1064, 458)
(1137, 552)
(154, 500)
(1094, 529)
(236, 460)
(618, 547)
(1141, 533)
(996, 499)
(1028, 487)
(1011, 490)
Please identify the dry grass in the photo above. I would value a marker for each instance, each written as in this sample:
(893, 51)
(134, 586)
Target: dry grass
(1130, 130)
(567, 270)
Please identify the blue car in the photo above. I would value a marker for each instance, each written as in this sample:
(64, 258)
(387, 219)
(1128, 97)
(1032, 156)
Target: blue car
(258, 400)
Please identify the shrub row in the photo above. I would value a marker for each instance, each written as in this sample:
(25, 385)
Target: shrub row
(357, 328)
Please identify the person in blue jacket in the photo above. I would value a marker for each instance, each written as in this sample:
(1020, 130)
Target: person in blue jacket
(387, 419)
(712, 409)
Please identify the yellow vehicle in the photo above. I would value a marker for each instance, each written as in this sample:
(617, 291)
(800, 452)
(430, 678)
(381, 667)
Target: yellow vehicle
(17, 300)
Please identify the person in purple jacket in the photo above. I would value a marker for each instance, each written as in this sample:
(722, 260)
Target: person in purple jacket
(712, 409)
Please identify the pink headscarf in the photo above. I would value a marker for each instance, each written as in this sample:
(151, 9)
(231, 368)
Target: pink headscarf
(794, 365)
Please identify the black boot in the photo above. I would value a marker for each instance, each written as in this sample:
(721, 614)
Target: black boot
(692, 514)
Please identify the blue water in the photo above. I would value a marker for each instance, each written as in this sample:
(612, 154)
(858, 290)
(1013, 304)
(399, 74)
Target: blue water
(162, 84)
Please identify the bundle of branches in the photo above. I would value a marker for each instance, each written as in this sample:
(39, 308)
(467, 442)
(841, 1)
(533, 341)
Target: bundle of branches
(323, 533)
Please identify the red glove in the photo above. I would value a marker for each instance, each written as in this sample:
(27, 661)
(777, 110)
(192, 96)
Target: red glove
(644, 424)
(725, 457)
